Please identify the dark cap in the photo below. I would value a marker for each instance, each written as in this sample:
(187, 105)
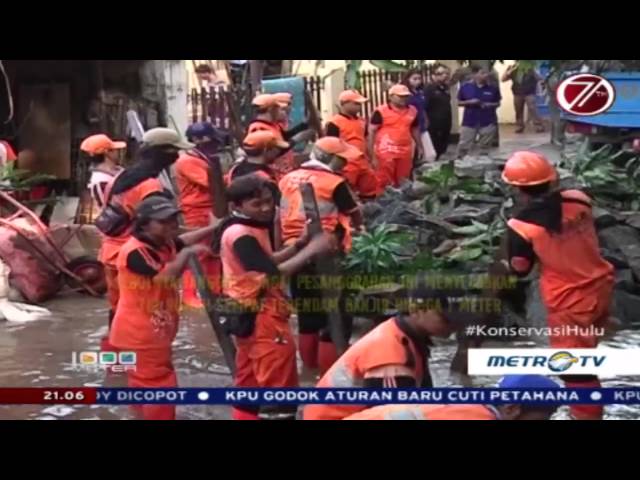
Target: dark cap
(156, 208)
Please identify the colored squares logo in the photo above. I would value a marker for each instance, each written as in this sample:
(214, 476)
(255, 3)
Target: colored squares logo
(88, 358)
(108, 358)
(127, 358)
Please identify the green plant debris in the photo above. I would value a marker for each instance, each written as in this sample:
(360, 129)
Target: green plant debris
(480, 242)
(597, 173)
(12, 178)
(377, 251)
(446, 186)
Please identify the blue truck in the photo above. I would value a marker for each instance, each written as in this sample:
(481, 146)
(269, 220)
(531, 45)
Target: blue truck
(620, 125)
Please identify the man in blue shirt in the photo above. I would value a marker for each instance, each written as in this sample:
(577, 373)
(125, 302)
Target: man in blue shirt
(480, 101)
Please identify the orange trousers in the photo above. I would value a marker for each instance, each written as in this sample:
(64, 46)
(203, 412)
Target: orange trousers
(362, 178)
(154, 369)
(597, 317)
(268, 357)
(393, 168)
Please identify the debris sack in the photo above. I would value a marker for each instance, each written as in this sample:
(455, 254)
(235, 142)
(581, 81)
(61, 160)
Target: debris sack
(31, 274)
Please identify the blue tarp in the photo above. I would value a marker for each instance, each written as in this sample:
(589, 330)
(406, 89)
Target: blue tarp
(616, 120)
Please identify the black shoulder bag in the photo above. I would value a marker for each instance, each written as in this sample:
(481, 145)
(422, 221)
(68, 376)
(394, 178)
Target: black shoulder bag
(113, 219)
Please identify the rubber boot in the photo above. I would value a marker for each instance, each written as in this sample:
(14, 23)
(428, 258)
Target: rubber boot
(308, 349)
(585, 412)
(327, 356)
(237, 414)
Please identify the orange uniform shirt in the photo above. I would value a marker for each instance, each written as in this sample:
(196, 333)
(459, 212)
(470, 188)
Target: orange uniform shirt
(385, 345)
(147, 313)
(129, 200)
(192, 179)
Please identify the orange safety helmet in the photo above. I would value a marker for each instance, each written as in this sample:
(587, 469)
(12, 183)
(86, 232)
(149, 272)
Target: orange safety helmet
(100, 144)
(528, 168)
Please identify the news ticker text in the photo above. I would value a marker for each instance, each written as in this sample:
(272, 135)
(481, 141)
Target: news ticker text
(304, 396)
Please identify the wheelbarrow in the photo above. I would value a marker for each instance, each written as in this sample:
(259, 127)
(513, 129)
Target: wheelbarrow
(83, 273)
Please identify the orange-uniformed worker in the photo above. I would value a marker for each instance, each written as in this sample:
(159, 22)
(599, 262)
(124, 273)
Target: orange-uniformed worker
(271, 113)
(556, 228)
(146, 320)
(297, 134)
(194, 197)
(339, 212)
(394, 132)
(471, 412)
(261, 148)
(350, 127)
(266, 352)
(105, 160)
(392, 355)
(159, 150)
(268, 115)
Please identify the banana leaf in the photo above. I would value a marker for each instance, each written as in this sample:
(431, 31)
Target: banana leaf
(476, 241)
(466, 255)
(599, 156)
(488, 259)
(470, 185)
(474, 229)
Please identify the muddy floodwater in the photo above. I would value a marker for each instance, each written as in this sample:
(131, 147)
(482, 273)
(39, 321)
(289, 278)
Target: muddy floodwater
(38, 354)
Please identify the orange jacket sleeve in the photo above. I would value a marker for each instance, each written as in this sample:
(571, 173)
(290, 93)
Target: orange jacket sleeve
(392, 353)
(133, 197)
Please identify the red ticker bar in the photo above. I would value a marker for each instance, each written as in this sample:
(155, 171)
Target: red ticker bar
(41, 396)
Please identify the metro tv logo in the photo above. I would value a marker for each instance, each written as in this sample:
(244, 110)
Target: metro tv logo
(549, 361)
(558, 362)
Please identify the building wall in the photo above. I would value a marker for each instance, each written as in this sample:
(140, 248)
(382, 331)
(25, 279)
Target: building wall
(176, 82)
